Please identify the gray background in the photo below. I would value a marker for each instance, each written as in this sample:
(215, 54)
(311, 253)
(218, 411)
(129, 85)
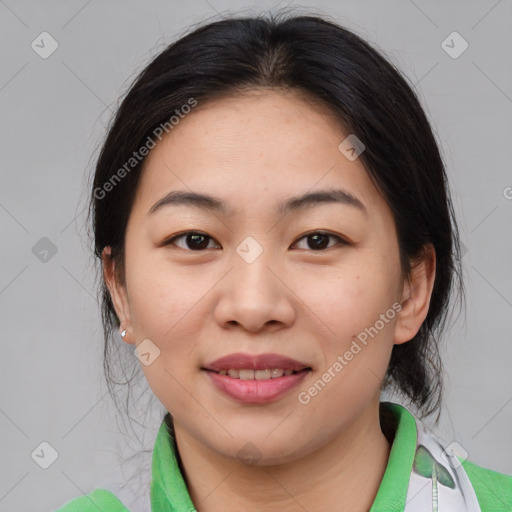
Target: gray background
(54, 113)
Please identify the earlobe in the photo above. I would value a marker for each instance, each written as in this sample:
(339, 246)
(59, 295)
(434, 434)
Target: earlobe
(416, 295)
(117, 294)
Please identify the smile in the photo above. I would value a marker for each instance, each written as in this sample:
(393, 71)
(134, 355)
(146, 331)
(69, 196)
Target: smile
(248, 374)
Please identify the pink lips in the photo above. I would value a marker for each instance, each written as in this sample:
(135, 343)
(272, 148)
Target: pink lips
(256, 391)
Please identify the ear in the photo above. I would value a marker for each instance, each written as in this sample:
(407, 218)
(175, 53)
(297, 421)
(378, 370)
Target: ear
(416, 296)
(117, 293)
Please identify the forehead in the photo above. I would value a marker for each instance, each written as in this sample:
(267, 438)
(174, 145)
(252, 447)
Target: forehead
(258, 148)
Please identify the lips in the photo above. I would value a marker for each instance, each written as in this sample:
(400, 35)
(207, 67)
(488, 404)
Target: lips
(245, 377)
(241, 361)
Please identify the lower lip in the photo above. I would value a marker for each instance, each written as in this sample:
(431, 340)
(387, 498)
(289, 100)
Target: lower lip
(256, 391)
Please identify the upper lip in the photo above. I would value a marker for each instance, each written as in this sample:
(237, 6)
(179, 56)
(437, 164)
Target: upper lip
(240, 361)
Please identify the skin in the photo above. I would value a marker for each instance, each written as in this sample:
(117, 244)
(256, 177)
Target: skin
(255, 151)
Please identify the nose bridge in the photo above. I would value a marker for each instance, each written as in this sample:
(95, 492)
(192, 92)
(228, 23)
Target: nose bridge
(251, 263)
(250, 249)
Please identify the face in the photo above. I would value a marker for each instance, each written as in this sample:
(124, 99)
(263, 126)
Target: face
(316, 282)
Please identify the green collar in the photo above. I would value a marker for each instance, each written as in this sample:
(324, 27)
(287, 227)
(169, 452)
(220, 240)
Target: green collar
(169, 492)
(392, 492)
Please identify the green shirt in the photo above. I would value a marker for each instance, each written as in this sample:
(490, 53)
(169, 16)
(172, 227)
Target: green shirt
(169, 491)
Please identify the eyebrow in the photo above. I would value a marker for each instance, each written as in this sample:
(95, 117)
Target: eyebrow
(207, 202)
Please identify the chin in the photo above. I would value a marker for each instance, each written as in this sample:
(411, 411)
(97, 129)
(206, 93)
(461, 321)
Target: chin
(259, 449)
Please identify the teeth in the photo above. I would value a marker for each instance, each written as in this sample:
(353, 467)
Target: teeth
(246, 374)
(262, 374)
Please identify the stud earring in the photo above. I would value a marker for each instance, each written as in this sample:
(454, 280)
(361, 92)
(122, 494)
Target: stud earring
(123, 334)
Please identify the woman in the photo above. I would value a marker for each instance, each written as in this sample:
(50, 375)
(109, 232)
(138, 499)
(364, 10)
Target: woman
(278, 245)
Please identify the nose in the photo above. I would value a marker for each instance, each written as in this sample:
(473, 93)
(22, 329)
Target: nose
(255, 296)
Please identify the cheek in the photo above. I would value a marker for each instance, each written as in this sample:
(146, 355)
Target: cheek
(162, 296)
(348, 300)
(355, 341)
(168, 307)
(169, 311)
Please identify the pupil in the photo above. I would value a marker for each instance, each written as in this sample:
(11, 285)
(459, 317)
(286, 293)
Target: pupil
(319, 244)
(197, 238)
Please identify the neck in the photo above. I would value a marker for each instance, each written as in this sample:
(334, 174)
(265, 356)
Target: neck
(343, 474)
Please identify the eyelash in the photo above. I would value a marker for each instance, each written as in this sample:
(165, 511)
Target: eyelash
(341, 241)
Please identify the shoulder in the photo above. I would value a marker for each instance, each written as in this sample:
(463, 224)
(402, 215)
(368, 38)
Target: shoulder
(493, 489)
(99, 499)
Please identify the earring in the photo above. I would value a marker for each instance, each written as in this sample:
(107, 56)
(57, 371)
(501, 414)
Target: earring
(123, 334)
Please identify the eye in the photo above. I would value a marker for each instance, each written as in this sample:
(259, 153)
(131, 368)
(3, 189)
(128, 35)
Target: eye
(194, 240)
(197, 241)
(319, 240)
